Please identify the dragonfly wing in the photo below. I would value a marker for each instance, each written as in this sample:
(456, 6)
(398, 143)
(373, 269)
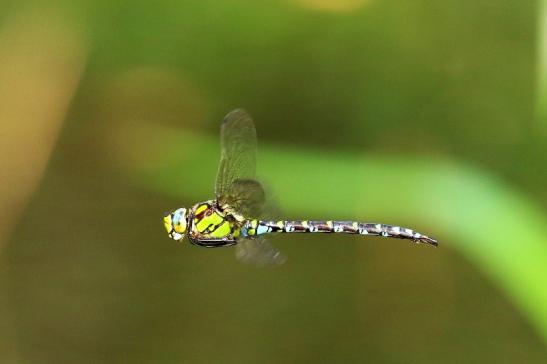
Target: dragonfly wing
(238, 150)
(235, 185)
(258, 251)
(246, 196)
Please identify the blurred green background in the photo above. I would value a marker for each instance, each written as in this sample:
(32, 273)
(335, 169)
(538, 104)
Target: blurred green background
(427, 114)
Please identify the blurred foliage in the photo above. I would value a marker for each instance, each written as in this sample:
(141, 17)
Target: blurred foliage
(417, 113)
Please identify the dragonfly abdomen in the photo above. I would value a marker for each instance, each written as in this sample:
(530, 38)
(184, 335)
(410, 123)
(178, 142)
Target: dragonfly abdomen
(259, 227)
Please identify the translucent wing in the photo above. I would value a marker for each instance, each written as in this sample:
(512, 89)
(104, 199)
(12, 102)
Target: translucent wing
(259, 252)
(246, 196)
(236, 187)
(237, 151)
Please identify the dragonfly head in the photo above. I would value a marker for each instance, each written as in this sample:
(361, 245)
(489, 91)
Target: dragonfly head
(175, 224)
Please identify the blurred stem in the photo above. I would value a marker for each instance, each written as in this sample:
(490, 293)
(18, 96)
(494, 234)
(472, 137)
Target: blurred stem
(495, 226)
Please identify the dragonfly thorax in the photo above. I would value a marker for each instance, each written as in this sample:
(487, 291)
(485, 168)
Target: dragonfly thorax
(210, 225)
(176, 224)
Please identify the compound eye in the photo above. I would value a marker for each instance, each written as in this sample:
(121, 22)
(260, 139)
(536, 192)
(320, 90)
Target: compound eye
(179, 221)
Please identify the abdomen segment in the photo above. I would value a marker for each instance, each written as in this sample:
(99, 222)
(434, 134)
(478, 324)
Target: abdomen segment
(259, 227)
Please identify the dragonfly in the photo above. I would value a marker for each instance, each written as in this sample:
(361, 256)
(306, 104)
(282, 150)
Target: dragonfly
(236, 216)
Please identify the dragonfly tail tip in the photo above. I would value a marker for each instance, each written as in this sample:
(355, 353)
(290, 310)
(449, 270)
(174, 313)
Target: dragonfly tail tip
(430, 241)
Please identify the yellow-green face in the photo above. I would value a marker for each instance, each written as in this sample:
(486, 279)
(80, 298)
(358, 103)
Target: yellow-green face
(175, 224)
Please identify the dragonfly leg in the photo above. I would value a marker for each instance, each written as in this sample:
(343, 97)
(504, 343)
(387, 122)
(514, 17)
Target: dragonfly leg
(212, 243)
